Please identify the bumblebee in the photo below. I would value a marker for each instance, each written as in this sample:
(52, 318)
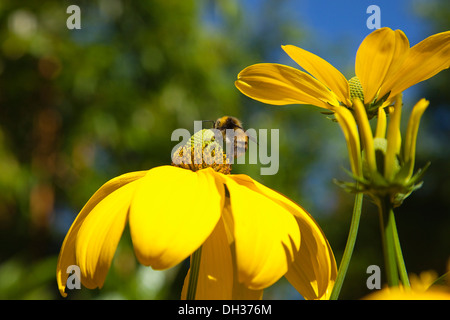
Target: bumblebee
(203, 150)
(200, 152)
(237, 137)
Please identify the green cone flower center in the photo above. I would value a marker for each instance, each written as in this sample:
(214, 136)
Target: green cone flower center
(356, 90)
(200, 152)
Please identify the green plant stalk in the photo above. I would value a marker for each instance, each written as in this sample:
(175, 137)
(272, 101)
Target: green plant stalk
(348, 251)
(387, 226)
(193, 274)
(398, 252)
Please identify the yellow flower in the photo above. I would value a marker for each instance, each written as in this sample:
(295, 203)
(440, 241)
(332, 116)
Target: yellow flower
(422, 288)
(386, 169)
(385, 66)
(250, 235)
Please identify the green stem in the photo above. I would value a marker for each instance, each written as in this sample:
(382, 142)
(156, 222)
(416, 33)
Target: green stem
(398, 253)
(387, 224)
(193, 274)
(343, 267)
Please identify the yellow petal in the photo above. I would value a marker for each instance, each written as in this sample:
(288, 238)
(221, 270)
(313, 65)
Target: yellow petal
(266, 234)
(393, 138)
(173, 212)
(217, 278)
(350, 129)
(379, 56)
(314, 270)
(322, 71)
(401, 52)
(67, 255)
(280, 85)
(100, 233)
(399, 293)
(424, 60)
(380, 132)
(366, 133)
(411, 133)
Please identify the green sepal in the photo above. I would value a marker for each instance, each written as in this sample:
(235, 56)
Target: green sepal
(419, 174)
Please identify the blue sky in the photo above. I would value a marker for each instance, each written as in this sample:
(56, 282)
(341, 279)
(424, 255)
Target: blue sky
(334, 29)
(343, 22)
(334, 19)
(331, 19)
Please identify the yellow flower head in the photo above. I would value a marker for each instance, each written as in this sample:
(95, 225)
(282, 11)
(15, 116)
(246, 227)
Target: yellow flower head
(250, 235)
(385, 66)
(387, 165)
(423, 287)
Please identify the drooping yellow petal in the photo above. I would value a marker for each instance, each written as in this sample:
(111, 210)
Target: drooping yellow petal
(99, 235)
(322, 71)
(366, 133)
(314, 270)
(380, 132)
(172, 213)
(280, 85)
(266, 234)
(378, 57)
(393, 138)
(424, 60)
(411, 133)
(67, 253)
(217, 278)
(350, 130)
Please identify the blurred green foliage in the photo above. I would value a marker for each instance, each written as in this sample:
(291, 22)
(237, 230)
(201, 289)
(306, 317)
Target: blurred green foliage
(79, 107)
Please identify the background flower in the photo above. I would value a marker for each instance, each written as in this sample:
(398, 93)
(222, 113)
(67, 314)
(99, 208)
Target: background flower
(385, 66)
(387, 165)
(422, 288)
